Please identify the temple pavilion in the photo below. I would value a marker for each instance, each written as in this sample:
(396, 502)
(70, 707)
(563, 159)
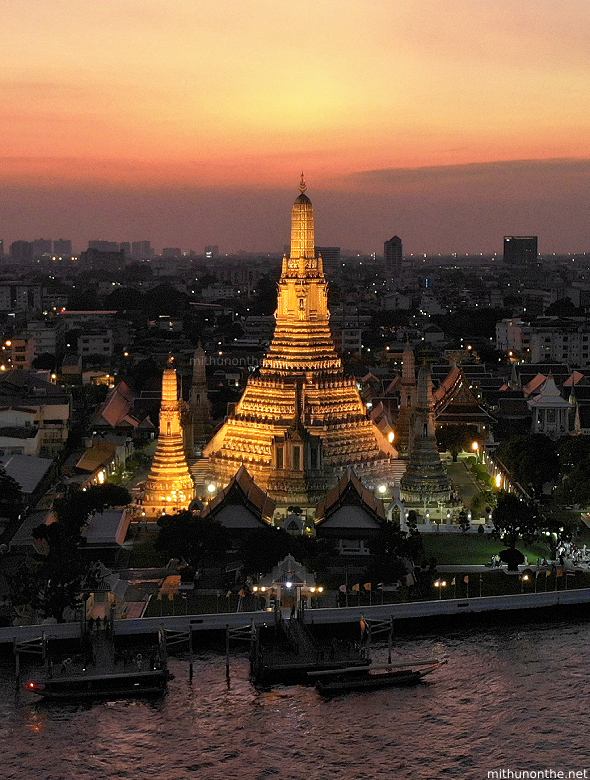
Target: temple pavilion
(301, 421)
(169, 486)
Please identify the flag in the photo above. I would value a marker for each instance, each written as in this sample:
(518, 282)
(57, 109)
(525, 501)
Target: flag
(363, 626)
(547, 572)
(242, 593)
(356, 587)
(466, 579)
(380, 586)
(453, 581)
(410, 579)
(343, 589)
(228, 594)
(367, 586)
(559, 573)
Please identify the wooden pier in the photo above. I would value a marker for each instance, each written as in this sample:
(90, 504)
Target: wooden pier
(288, 653)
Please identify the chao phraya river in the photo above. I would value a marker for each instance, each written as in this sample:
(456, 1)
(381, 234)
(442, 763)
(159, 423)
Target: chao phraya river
(514, 698)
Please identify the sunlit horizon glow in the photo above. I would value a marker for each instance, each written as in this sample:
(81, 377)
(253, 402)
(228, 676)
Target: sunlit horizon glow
(405, 109)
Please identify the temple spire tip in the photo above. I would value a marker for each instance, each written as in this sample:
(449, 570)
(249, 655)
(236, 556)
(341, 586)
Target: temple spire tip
(302, 184)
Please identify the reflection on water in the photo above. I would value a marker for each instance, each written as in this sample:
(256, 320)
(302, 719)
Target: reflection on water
(508, 698)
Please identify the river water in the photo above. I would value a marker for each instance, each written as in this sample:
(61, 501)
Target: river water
(513, 698)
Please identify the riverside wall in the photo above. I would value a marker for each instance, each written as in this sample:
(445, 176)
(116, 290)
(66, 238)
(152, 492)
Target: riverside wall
(412, 611)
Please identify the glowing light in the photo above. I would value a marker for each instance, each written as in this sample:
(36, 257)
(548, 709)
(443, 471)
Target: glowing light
(101, 477)
(391, 437)
(382, 488)
(288, 584)
(498, 480)
(475, 446)
(211, 488)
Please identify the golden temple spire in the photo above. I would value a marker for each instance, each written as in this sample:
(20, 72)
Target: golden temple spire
(302, 233)
(169, 485)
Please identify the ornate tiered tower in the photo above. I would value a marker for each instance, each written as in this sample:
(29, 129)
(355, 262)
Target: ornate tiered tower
(300, 422)
(407, 402)
(201, 427)
(169, 485)
(425, 480)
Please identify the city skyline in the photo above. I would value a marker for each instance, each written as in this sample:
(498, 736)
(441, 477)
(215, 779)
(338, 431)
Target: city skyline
(450, 125)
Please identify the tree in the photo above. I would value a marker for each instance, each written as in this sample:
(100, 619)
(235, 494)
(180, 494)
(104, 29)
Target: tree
(515, 519)
(456, 438)
(512, 557)
(191, 538)
(391, 548)
(532, 461)
(10, 495)
(263, 548)
(61, 576)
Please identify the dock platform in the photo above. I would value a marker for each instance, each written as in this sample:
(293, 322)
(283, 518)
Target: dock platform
(288, 653)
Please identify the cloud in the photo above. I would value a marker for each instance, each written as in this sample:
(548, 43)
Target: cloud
(518, 174)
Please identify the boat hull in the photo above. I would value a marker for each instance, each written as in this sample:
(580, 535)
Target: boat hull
(369, 682)
(92, 687)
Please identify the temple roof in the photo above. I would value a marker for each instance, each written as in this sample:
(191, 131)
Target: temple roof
(242, 489)
(455, 401)
(549, 396)
(349, 491)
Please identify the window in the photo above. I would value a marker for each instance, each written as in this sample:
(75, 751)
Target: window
(297, 457)
(280, 458)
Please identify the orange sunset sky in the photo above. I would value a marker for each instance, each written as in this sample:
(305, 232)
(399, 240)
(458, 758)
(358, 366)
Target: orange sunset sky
(186, 122)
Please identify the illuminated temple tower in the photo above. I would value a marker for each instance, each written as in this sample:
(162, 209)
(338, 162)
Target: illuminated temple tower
(169, 485)
(300, 422)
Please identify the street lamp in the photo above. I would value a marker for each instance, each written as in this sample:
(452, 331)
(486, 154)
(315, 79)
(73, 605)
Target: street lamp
(440, 584)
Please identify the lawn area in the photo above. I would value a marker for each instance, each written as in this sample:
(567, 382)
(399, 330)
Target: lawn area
(473, 548)
(143, 554)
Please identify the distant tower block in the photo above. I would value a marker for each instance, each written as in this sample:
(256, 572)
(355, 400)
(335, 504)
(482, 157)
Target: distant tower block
(393, 252)
(200, 406)
(169, 486)
(425, 480)
(520, 250)
(301, 421)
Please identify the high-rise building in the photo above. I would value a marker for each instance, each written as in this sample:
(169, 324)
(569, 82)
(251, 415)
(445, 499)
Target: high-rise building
(520, 250)
(21, 251)
(104, 246)
(62, 247)
(169, 486)
(41, 246)
(301, 422)
(141, 250)
(393, 252)
(330, 256)
(1, 249)
(212, 251)
(125, 247)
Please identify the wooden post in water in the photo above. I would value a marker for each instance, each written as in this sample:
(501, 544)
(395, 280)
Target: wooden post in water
(389, 640)
(227, 677)
(16, 662)
(190, 653)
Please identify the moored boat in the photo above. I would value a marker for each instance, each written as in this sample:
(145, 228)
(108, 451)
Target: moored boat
(387, 676)
(109, 685)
